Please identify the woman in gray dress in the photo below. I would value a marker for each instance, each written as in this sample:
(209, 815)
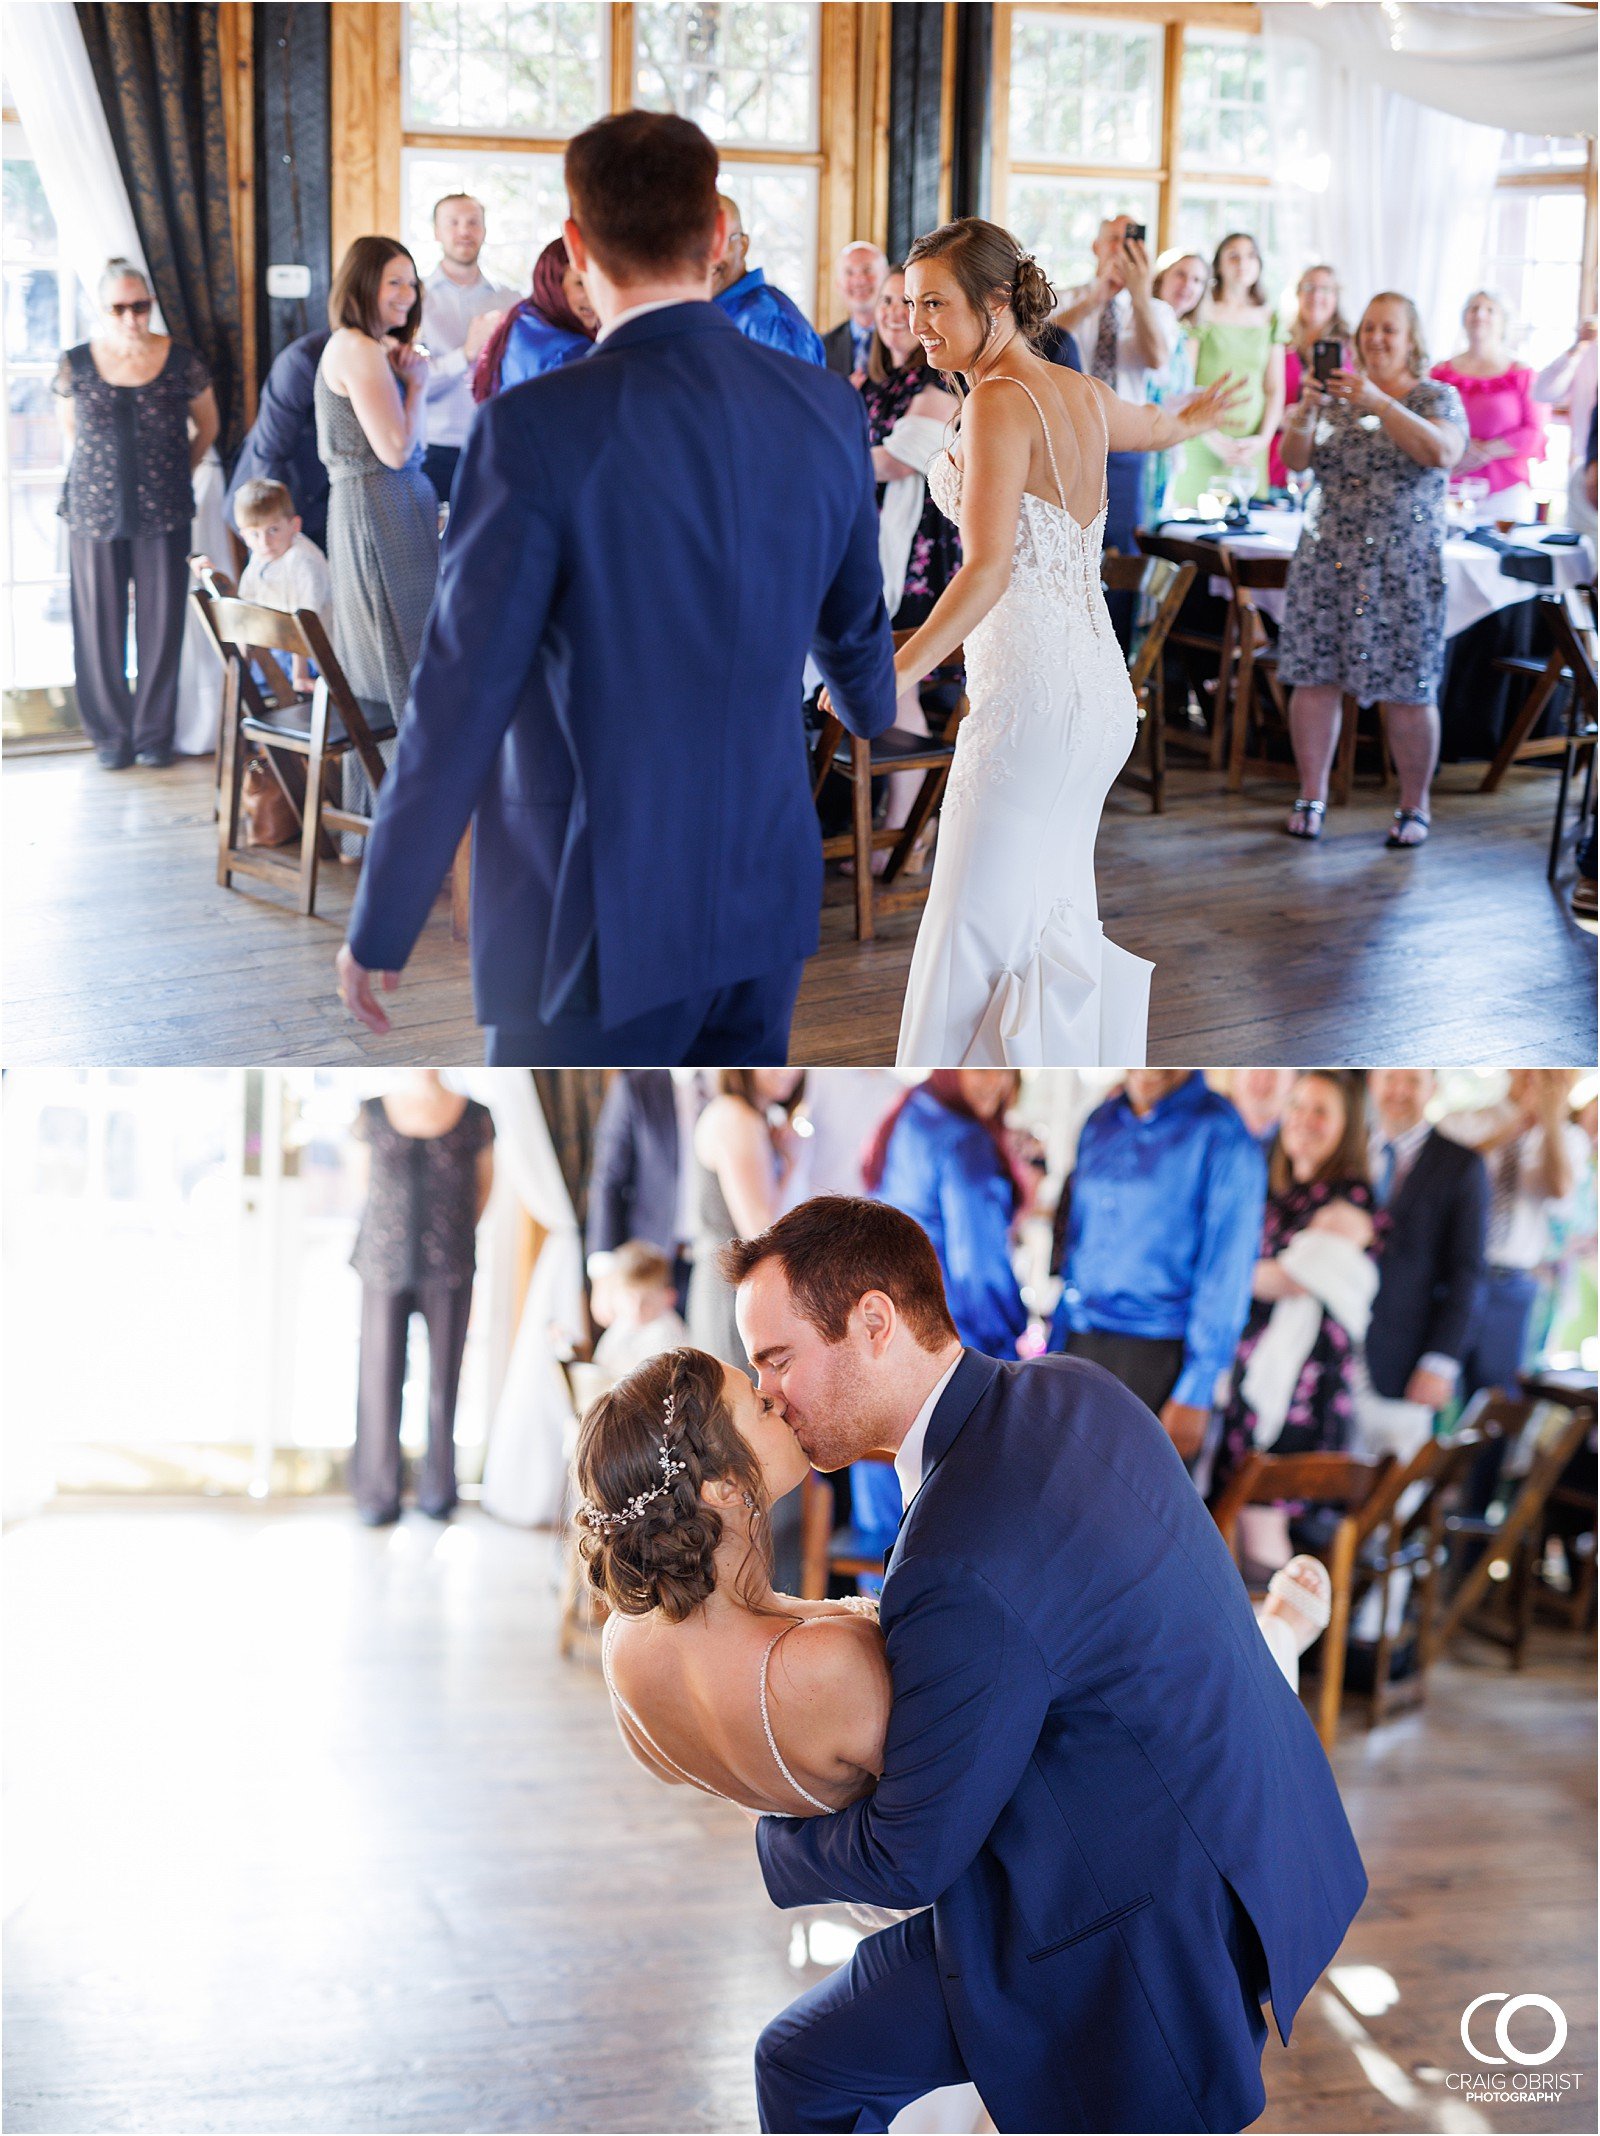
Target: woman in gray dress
(383, 515)
(744, 1150)
(1366, 600)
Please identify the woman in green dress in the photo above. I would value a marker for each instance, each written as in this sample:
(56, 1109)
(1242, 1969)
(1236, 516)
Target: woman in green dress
(1235, 333)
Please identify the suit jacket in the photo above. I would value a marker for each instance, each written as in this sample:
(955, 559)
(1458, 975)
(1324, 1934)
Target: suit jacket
(1431, 1266)
(642, 549)
(633, 1180)
(840, 349)
(281, 444)
(1095, 1772)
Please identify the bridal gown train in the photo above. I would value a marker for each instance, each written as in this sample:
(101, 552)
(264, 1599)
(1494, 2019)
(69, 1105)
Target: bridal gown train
(1011, 967)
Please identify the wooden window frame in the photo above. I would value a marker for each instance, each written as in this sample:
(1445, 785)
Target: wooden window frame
(371, 136)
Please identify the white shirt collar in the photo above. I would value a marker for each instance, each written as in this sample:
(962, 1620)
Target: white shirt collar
(908, 1462)
(637, 311)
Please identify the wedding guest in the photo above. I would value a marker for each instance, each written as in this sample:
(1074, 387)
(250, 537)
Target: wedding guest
(907, 414)
(1167, 1194)
(1126, 334)
(1259, 1096)
(281, 444)
(744, 1150)
(644, 1310)
(139, 416)
(858, 276)
(1366, 602)
(552, 326)
(1316, 1182)
(760, 312)
(1181, 280)
(1318, 316)
(844, 1109)
(461, 308)
(286, 569)
(383, 513)
(1569, 382)
(1532, 1152)
(635, 1169)
(1235, 337)
(940, 1155)
(430, 1166)
(1434, 1195)
(1504, 421)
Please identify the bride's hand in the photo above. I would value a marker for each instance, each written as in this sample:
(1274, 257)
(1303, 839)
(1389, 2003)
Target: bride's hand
(1209, 409)
(825, 702)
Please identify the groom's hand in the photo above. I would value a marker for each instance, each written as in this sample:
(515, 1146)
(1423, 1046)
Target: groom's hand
(355, 990)
(1185, 1426)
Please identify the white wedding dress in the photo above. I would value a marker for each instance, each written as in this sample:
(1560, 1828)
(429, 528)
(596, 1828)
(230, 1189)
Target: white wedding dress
(1011, 967)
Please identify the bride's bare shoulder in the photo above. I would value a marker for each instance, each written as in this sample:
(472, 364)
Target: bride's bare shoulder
(830, 1681)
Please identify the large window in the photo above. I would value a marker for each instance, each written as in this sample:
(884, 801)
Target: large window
(1101, 114)
(44, 313)
(1533, 259)
(491, 94)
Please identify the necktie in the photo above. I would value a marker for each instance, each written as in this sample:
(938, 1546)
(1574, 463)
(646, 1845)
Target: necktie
(1383, 1185)
(1504, 1176)
(1104, 362)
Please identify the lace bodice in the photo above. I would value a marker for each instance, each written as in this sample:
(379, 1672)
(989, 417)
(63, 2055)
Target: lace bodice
(857, 1605)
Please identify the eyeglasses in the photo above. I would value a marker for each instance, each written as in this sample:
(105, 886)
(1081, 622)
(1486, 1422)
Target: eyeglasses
(140, 308)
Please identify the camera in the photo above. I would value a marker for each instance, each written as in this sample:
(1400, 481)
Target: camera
(1134, 234)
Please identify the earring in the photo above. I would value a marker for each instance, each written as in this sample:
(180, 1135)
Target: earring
(749, 1501)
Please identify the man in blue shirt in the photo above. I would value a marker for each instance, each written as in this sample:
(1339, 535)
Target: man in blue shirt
(1168, 1194)
(760, 312)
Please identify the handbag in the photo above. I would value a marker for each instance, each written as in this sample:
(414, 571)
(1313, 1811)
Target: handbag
(268, 813)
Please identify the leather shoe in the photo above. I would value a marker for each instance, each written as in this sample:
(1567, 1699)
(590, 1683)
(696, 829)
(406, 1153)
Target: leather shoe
(154, 759)
(115, 758)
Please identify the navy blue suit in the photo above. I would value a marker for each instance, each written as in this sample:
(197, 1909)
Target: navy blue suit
(1095, 1774)
(643, 549)
(281, 444)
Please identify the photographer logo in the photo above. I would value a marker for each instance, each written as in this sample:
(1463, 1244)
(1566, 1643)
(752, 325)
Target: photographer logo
(1514, 2072)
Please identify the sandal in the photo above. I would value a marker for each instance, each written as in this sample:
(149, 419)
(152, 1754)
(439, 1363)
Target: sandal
(1404, 819)
(1307, 1597)
(1305, 819)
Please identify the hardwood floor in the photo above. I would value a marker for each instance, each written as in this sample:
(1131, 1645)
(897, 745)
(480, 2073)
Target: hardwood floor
(308, 1829)
(122, 950)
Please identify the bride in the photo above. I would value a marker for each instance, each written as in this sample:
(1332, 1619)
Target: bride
(1011, 968)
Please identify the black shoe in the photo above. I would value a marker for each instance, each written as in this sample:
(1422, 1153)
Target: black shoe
(438, 1512)
(154, 759)
(116, 757)
(378, 1516)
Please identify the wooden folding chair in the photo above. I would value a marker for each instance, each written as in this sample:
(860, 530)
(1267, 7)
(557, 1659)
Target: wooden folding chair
(1166, 584)
(860, 763)
(826, 1550)
(1325, 1479)
(1570, 622)
(1504, 1563)
(1564, 616)
(1206, 559)
(320, 731)
(1259, 701)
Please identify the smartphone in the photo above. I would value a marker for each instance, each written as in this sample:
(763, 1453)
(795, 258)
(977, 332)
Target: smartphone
(1134, 234)
(1326, 358)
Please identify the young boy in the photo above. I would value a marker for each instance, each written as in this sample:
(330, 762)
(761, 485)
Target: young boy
(286, 569)
(644, 1317)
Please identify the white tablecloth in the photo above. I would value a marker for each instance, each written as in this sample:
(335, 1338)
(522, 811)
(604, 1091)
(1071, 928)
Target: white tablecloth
(1475, 586)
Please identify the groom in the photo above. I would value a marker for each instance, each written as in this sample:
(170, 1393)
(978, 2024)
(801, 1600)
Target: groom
(642, 550)
(1095, 1775)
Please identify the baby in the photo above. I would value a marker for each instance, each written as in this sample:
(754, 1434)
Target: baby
(636, 1291)
(1345, 1221)
(286, 569)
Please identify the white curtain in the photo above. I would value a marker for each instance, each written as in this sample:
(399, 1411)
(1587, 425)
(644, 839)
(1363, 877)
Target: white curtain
(1523, 67)
(200, 667)
(524, 1468)
(1397, 195)
(53, 90)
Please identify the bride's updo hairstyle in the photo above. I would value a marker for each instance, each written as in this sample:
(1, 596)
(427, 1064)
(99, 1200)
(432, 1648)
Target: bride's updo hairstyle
(645, 1534)
(988, 262)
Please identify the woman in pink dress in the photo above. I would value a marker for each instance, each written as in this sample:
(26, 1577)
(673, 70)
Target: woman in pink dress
(1506, 422)
(1319, 316)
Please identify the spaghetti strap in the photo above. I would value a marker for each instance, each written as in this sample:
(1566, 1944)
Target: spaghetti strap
(622, 1706)
(766, 1719)
(1005, 379)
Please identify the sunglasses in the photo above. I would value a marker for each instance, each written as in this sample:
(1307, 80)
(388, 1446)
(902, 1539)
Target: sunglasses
(140, 308)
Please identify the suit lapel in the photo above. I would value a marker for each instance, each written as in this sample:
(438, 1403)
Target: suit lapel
(973, 1377)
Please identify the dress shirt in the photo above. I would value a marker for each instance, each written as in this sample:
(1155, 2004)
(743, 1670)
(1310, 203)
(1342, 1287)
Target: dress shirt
(942, 1168)
(764, 314)
(299, 578)
(1518, 1234)
(448, 309)
(908, 1462)
(1165, 1229)
(637, 311)
(1133, 373)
